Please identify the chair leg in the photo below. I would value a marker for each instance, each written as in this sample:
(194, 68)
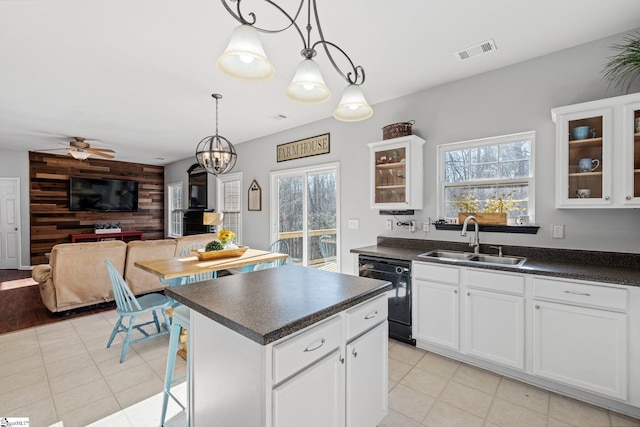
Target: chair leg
(155, 320)
(125, 344)
(116, 329)
(168, 376)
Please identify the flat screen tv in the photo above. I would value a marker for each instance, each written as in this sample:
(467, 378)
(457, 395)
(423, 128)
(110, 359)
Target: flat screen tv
(103, 195)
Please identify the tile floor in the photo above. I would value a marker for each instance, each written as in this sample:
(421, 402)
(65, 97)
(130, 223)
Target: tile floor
(63, 372)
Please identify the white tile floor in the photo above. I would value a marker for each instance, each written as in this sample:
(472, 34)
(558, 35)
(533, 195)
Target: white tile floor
(63, 372)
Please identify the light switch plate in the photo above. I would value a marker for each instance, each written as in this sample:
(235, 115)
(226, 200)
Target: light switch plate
(388, 224)
(354, 224)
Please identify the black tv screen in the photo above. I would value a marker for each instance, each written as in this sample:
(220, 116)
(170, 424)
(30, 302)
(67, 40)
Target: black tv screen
(103, 195)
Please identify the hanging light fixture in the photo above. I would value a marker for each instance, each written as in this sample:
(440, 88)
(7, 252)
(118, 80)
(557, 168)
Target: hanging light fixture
(245, 58)
(215, 153)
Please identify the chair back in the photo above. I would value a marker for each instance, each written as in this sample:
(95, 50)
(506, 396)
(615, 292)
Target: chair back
(125, 300)
(279, 246)
(186, 251)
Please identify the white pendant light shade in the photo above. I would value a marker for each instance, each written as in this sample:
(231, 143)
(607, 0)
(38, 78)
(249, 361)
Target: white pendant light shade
(244, 57)
(80, 155)
(307, 84)
(353, 106)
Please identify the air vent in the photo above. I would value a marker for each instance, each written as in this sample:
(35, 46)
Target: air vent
(278, 117)
(484, 47)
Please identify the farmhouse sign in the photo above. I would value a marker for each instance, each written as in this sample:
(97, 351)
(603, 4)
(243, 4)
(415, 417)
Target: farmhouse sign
(303, 148)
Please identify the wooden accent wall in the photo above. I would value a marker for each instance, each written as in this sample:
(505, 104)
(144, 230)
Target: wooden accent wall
(51, 220)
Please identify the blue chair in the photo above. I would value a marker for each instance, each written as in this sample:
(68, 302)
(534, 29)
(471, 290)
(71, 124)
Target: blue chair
(186, 251)
(279, 246)
(127, 305)
(327, 246)
(180, 320)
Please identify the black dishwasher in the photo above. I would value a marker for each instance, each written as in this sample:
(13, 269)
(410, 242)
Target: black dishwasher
(398, 272)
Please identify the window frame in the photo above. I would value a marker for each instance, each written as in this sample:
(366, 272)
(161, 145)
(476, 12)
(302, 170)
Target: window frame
(174, 209)
(474, 143)
(220, 181)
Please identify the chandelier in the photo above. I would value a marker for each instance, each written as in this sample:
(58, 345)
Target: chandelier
(245, 58)
(215, 153)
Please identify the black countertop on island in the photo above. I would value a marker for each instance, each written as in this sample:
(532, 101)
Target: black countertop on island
(609, 267)
(267, 305)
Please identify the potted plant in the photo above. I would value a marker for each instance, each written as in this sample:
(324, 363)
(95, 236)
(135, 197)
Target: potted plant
(493, 212)
(624, 67)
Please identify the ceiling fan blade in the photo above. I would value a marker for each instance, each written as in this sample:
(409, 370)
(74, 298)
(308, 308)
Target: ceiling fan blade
(104, 150)
(99, 153)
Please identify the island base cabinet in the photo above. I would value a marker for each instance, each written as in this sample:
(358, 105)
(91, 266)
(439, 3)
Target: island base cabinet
(314, 397)
(367, 378)
(582, 347)
(495, 327)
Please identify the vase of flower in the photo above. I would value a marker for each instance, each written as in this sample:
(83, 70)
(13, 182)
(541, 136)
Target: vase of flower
(227, 237)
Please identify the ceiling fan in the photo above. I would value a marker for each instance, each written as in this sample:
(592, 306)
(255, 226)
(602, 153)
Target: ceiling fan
(80, 149)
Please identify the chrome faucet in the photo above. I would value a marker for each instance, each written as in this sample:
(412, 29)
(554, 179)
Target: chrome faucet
(476, 241)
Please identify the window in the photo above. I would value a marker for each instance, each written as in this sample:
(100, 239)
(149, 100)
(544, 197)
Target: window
(174, 206)
(485, 173)
(230, 203)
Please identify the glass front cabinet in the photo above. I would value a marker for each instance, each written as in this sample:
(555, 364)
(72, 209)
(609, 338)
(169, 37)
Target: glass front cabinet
(397, 173)
(598, 153)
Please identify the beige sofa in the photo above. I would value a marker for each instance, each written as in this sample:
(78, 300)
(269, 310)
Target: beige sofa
(77, 277)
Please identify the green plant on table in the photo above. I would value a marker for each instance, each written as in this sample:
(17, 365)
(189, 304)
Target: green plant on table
(214, 245)
(502, 203)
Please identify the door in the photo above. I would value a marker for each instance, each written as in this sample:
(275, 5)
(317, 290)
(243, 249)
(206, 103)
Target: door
(436, 313)
(305, 214)
(367, 378)
(9, 223)
(314, 397)
(582, 347)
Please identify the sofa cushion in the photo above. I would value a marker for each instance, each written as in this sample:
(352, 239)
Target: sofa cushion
(79, 274)
(140, 281)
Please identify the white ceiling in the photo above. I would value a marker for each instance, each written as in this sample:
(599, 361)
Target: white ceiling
(137, 76)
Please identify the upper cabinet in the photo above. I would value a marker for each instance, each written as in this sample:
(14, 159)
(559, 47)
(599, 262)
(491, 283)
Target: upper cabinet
(397, 173)
(598, 153)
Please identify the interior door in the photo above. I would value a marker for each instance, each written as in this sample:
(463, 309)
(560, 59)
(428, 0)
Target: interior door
(305, 215)
(9, 223)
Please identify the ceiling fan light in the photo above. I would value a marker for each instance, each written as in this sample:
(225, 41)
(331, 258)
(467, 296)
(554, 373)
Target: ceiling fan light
(80, 155)
(307, 85)
(244, 58)
(353, 106)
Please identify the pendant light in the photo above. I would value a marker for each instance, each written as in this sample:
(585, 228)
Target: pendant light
(244, 57)
(215, 153)
(353, 106)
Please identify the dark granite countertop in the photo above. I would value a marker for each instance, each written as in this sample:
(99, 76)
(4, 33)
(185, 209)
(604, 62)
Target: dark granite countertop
(609, 267)
(267, 305)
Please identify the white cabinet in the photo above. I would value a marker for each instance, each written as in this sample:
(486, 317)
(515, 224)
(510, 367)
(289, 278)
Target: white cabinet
(494, 313)
(578, 338)
(367, 378)
(314, 397)
(397, 173)
(436, 302)
(598, 153)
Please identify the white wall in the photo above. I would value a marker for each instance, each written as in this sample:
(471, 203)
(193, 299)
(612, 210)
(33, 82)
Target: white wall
(15, 164)
(509, 100)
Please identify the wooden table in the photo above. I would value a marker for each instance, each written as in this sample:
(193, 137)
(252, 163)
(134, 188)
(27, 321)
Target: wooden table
(174, 271)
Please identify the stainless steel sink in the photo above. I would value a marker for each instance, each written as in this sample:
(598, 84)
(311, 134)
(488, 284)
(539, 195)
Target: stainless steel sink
(502, 260)
(472, 258)
(449, 255)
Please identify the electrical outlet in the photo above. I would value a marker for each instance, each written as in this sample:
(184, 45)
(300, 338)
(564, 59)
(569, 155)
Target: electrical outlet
(354, 224)
(425, 227)
(412, 225)
(388, 224)
(557, 231)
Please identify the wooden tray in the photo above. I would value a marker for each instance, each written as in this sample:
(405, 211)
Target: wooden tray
(224, 253)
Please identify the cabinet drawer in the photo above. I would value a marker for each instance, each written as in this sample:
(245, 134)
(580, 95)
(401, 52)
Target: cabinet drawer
(581, 294)
(510, 283)
(366, 315)
(302, 350)
(436, 273)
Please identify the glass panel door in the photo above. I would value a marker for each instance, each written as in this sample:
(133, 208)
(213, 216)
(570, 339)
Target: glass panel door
(390, 176)
(307, 215)
(585, 158)
(636, 153)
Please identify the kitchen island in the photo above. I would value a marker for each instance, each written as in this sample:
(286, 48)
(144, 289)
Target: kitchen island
(287, 346)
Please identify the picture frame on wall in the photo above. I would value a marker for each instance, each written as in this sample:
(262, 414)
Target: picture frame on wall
(255, 196)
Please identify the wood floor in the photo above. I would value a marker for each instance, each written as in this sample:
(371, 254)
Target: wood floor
(22, 306)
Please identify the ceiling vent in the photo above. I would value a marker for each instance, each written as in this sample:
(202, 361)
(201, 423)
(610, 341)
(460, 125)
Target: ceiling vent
(278, 117)
(480, 48)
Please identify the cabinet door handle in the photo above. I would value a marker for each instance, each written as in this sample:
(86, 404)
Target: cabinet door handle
(354, 352)
(607, 197)
(371, 315)
(455, 291)
(584, 294)
(317, 346)
(341, 359)
(626, 198)
(537, 307)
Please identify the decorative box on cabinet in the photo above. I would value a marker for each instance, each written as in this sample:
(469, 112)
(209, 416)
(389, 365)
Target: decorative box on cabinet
(611, 139)
(397, 173)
